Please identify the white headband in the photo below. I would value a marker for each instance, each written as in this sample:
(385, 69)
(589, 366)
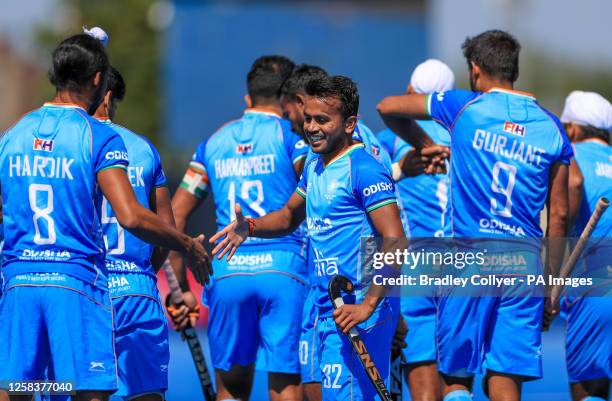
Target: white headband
(588, 108)
(432, 76)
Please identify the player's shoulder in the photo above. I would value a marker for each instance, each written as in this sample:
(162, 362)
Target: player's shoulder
(363, 161)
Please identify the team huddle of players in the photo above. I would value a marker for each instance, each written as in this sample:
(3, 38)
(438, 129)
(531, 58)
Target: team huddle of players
(298, 181)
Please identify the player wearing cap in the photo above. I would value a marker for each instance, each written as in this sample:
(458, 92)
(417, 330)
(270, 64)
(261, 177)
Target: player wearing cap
(509, 156)
(587, 117)
(425, 203)
(56, 315)
(256, 298)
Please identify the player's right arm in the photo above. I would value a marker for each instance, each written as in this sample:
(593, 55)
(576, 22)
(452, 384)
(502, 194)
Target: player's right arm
(558, 212)
(576, 180)
(274, 224)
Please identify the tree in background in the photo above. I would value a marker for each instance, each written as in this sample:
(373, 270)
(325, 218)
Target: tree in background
(134, 49)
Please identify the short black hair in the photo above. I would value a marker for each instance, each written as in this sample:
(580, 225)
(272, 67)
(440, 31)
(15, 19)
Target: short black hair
(300, 76)
(266, 77)
(76, 60)
(116, 84)
(342, 88)
(495, 52)
(591, 132)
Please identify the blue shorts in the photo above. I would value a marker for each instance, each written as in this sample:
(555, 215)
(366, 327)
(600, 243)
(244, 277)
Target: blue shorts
(309, 357)
(141, 336)
(344, 378)
(501, 334)
(57, 327)
(588, 343)
(254, 310)
(420, 314)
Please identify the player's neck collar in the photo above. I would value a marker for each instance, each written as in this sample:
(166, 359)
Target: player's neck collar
(512, 92)
(346, 151)
(265, 112)
(64, 105)
(104, 120)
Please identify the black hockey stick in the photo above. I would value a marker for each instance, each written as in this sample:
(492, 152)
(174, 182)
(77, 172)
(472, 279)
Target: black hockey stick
(337, 285)
(176, 296)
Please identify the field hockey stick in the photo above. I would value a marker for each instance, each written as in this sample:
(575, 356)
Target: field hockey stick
(570, 263)
(337, 285)
(176, 296)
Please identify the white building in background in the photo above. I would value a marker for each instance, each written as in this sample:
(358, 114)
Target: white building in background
(576, 32)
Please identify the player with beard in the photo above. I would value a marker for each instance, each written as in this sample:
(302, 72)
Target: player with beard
(509, 157)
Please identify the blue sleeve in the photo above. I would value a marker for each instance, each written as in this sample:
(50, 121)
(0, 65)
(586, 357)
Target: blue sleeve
(444, 107)
(567, 151)
(296, 147)
(198, 159)
(372, 184)
(107, 148)
(159, 178)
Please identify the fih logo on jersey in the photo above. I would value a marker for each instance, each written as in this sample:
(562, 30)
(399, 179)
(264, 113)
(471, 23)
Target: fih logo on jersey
(514, 128)
(43, 144)
(243, 148)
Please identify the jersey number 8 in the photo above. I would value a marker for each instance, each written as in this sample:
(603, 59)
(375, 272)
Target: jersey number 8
(42, 215)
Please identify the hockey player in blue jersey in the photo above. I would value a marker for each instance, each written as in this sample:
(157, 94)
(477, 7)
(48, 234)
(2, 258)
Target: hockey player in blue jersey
(587, 117)
(345, 195)
(141, 339)
(426, 207)
(253, 162)
(292, 100)
(509, 157)
(55, 314)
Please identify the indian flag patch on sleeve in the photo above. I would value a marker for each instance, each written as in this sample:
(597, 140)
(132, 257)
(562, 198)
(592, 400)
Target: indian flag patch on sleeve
(195, 180)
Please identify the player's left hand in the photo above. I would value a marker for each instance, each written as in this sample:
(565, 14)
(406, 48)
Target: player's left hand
(348, 316)
(186, 314)
(235, 234)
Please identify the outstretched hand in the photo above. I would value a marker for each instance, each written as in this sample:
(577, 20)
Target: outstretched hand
(198, 260)
(427, 160)
(235, 234)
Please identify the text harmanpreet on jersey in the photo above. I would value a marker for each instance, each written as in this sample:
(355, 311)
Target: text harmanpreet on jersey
(504, 144)
(250, 162)
(339, 197)
(56, 282)
(141, 328)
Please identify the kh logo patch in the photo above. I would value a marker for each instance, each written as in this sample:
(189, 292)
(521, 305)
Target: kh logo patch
(243, 148)
(45, 145)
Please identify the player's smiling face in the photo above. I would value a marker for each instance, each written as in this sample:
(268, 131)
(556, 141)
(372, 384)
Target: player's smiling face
(325, 128)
